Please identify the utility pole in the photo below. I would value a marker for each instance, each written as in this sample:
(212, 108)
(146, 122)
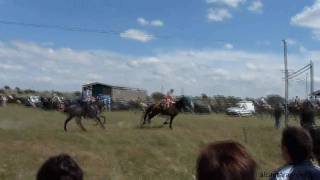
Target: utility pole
(307, 97)
(286, 81)
(311, 80)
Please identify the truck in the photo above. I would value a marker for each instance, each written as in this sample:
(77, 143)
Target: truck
(243, 108)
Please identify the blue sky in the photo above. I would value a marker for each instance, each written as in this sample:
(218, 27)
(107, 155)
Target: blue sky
(230, 47)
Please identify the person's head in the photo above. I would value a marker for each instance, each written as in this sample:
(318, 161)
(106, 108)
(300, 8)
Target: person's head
(225, 160)
(296, 145)
(61, 167)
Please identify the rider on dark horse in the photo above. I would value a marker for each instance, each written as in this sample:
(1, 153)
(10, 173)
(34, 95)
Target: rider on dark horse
(86, 99)
(168, 100)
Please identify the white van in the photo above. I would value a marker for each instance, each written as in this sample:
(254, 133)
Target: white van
(244, 108)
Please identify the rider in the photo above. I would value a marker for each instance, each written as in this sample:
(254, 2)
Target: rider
(169, 99)
(86, 98)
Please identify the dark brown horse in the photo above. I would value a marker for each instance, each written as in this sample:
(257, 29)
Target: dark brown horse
(183, 103)
(79, 111)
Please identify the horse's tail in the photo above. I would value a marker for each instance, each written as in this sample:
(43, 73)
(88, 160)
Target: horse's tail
(315, 134)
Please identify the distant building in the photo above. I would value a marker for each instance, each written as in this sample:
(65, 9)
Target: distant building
(117, 93)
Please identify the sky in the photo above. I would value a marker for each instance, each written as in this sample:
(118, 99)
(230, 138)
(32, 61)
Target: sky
(225, 47)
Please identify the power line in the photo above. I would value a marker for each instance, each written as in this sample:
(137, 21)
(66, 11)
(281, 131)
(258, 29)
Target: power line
(92, 30)
(59, 27)
(301, 69)
(296, 75)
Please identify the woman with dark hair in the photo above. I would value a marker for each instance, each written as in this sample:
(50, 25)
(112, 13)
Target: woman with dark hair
(61, 167)
(225, 160)
(296, 146)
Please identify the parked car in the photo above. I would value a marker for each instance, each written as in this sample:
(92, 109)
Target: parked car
(202, 108)
(33, 101)
(244, 108)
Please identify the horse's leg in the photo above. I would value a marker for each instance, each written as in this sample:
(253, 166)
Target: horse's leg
(151, 115)
(104, 119)
(66, 122)
(166, 121)
(99, 121)
(171, 120)
(78, 120)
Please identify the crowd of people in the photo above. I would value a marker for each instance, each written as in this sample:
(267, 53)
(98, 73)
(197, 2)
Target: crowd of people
(222, 160)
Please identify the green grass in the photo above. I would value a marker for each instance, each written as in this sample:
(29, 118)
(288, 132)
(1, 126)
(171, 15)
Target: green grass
(123, 151)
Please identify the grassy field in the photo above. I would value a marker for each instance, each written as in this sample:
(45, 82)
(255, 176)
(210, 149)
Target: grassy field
(123, 151)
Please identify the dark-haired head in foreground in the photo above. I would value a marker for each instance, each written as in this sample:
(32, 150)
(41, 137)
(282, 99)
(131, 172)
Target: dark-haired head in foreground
(296, 145)
(225, 160)
(61, 167)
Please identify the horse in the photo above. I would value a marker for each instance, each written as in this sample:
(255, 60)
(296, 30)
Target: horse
(78, 111)
(172, 111)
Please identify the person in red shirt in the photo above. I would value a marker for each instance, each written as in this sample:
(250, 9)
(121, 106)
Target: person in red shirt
(169, 99)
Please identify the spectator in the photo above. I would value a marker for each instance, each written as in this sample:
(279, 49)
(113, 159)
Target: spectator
(296, 145)
(277, 115)
(307, 115)
(61, 167)
(226, 160)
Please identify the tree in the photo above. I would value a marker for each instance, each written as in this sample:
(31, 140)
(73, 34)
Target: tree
(204, 96)
(232, 101)
(157, 96)
(18, 90)
(274, 99)
(29, 91)
(7, 88)
(77, 93)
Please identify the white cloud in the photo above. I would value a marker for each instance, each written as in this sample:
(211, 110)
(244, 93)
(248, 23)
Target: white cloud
(228, 46)
(309, 17)
(231, 3)
(11, 67)
(251, 66)
(256, 6)
(316, 34)
(43, 79)
(263, 43)
(291, 41)
(302, 49)
(142, 21)
(212, 71)
(218, 15)
(137, 35)
(154, 23)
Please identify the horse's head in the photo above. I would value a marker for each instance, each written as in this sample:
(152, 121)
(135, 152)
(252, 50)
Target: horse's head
(186, 103)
